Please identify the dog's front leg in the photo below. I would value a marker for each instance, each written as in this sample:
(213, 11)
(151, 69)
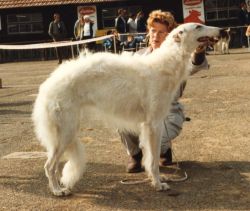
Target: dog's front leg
(150, 137)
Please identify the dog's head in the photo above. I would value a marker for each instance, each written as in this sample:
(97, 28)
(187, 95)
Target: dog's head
(192, 35)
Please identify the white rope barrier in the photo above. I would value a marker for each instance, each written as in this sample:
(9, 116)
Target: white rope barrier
(52, 44)
(133, 33)
(71, 43)
(234, 27)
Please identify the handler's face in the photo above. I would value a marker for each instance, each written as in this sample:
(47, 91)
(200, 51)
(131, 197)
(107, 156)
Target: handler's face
(157, 34)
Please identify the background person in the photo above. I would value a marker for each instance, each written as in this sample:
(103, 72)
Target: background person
(141, 22)
(243, 17)
(87, 32)
(132, 42)
(78, 27)
(132, 27)
(78, 30)
(121, 24)
(108, 43)
(58, 32)
(159, 24)
(248, 35)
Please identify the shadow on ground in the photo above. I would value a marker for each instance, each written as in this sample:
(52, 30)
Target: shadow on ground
(224, 181)
(17, 103)
(7, 112)
(9, 105)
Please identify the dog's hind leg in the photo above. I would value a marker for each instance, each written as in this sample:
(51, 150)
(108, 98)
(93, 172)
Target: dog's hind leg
(223, 48)
(150, 137)
(75, 165)
(67, 125)
(227, 47)
(51, 168)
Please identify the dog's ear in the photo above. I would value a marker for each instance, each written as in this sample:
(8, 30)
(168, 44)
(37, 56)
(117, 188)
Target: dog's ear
(177, 37)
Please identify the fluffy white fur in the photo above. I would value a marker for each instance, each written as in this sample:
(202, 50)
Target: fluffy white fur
(133, 92)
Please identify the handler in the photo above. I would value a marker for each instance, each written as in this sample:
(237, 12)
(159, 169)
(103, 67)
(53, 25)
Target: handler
(159, 24)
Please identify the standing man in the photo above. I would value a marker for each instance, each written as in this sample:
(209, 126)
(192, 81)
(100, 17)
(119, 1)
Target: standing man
(121, 24)
(159, 24)
(58, 32)
(141, 22)
(243, 21)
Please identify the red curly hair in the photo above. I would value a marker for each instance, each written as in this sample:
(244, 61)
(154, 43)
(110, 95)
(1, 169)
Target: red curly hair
(162, 17)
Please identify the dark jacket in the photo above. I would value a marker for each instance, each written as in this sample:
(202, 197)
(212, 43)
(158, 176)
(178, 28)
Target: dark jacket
(141, 24)
(57, 30)
(121, 25)
(243, 17)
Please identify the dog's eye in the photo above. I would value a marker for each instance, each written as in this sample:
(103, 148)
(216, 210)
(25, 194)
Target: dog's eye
(198, 27)
(180, 32)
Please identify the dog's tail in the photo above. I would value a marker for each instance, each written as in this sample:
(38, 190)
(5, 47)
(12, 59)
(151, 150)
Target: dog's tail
(75, 165)
(45, 129)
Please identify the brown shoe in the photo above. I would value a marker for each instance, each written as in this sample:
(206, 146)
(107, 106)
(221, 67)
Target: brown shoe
(134, 163)
(166, 158)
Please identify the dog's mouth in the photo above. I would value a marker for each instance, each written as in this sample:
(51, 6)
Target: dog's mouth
(207, 39)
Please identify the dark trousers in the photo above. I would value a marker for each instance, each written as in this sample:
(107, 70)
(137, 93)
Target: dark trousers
(243, 38)
(59, 53)
(91, 45)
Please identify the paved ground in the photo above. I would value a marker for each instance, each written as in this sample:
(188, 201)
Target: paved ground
(213, 148)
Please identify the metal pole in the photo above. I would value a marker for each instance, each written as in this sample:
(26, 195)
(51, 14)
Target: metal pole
(72, 52)
(114, 44)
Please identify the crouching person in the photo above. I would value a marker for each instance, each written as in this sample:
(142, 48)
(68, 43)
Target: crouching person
(159, 24)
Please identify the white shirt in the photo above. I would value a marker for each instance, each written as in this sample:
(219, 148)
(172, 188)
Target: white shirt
(86, 29)
(132, 26)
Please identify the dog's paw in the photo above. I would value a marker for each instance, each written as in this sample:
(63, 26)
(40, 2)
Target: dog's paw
(161, 186)
(62, 192)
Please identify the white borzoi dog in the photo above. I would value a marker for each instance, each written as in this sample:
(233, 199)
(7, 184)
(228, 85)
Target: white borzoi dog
(133, 92)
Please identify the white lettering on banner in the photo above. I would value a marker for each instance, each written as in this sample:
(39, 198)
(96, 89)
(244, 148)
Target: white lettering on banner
(193, 11)
(52, 44)
(192, 2)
